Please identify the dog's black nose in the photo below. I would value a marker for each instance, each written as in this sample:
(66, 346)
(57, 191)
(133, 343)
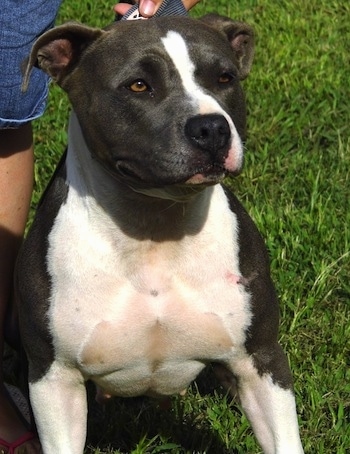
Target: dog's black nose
(210, 132)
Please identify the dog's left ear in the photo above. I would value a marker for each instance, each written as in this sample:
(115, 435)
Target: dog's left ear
(240, 36)
(58, 50)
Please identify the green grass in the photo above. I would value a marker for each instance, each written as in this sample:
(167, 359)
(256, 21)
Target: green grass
(296, 185)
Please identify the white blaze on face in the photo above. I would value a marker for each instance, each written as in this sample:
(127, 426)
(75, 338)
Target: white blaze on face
(177, 49)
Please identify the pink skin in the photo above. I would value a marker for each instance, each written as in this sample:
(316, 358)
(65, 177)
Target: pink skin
(233, 278)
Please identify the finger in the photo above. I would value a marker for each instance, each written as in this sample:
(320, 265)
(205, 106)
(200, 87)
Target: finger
(188, 4)
(121, 8)
(149, 8)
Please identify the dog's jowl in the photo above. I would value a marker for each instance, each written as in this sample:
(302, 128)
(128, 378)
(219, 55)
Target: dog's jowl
(140, 268)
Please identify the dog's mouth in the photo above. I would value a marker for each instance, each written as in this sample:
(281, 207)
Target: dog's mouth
(208, 175)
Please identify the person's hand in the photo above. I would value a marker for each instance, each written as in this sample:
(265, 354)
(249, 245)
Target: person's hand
(148, 8)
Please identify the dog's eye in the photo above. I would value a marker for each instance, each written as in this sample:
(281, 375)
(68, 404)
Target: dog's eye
(138, 86)
(226, 78)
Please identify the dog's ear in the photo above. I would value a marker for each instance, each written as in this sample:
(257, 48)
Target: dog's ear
(58, 50)
(240, 36)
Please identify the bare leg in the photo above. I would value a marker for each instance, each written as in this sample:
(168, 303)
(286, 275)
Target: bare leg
(16, 181)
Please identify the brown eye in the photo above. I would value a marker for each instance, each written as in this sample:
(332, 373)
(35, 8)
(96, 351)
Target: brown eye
(225, 78)
(138, 86)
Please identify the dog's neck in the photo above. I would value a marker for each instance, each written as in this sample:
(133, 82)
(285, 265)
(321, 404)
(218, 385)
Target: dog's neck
(166, 213)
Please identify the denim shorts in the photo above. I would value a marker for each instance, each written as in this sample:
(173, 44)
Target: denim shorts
(21, 22)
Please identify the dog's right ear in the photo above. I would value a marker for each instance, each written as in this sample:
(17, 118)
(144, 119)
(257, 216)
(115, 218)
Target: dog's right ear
(58, 50)
(240, 36)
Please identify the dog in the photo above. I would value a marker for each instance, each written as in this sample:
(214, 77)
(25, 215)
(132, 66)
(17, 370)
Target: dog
(141, 268)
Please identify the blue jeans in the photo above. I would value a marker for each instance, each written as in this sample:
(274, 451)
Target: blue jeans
(21, 22)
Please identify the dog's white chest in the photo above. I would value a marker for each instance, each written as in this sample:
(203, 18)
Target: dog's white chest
(144, 317)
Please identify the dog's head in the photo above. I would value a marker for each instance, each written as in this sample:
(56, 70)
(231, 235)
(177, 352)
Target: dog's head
(159, 101)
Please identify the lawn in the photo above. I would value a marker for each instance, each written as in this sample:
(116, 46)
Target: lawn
(296, 185)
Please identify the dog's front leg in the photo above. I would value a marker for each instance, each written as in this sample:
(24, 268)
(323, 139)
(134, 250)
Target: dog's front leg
(60, 409)
(267, 402)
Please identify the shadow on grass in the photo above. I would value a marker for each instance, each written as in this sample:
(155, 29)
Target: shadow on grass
(143, 423)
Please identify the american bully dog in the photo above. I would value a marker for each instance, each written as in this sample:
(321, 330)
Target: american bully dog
(141, 268)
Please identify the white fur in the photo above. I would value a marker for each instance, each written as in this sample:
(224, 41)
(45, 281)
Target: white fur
(270, 409)
(60, 407)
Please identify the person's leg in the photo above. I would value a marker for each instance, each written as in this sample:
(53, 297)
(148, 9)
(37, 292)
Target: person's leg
(16, 177)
